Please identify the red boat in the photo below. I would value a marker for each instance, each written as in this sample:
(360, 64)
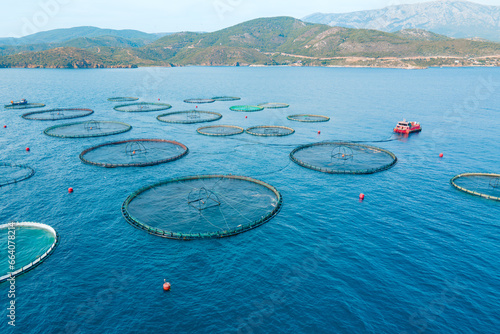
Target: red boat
(407, 127)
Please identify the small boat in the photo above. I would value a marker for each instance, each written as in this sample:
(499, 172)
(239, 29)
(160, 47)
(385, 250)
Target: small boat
(19, 103)
(407, 127)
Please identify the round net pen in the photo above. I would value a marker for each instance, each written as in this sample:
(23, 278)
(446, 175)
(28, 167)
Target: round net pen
(246, 108)
(273, 105)
(123, 99)
(134, 153)
(220, 130)
(142, 107)
(189, 117)
(87, 129)
(10, 173)
(34, 243)
(270, 131)
(200, 207)
(308, 118)
(199, 101)
(226, 98)
(24, 106)
(486, 185)
(343, 158)
(57, 114)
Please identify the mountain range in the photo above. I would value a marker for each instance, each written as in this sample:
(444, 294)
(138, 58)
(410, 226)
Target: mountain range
(457, 19)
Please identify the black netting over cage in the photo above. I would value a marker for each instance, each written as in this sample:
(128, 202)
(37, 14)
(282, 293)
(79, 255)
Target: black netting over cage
(270, 131)
(343, 158)
(198, 207)
(57, 114)
(273, 105)
(87, 129)
(199, 101)
(189, 117)
(246, 108)
(486, 185)
(308, 118)
(22, 105)
(10, 173)
(226, 98)
(220, 130)
(142, 107)
(134, 153)
(123, 99)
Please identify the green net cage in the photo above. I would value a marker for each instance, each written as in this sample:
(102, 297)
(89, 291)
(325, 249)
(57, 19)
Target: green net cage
(220, 130)
(226, 98)
(270, 131)
(246, 108)
(87, 129)
(199, 101)
(123, 99)
(11, 173)
(142, 107)
(273, 105)
(34, 243)
(206, 206)
(134, 153)
(343, 158)
(486, 185)
(24, 106)
(57, 114)
(189, 117)
(308, 118)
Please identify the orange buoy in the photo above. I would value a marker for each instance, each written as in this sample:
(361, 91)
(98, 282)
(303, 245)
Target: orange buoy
(70, 190)
(27, 149)
(133, 152)
(441, 155)
(361, 197)
(166, 285)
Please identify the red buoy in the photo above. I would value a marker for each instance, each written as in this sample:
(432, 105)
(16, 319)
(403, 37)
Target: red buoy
(319, 132)
(4, 126)
(158, 99)
(166, 286)
(27, 149)
(246, 116)
(70, 190)
(441, 155)
(361, 197)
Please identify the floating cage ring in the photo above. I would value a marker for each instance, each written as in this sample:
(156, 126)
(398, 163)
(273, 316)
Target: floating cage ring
(270, 131)
(123, 99)
(226, 98)
(202, 206)
(87, 129)
(27, 172)
(142, 107)
(57, 114)
(24, 106)
(485, 191)
(134, 153)
(246, 108)
(199, 101)
(189, 117)
(342, 152)
(308, 118)
(220, 130)
(92, 125)
(49, 249)
(273, 105)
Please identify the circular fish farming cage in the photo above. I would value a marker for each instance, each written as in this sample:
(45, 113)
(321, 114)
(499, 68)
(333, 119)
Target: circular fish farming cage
(87, 129)
(34, 243)
(142, 107)
(308, 118)
(226, 98)
(10, 173)
(123, 99)
(343, 158)
(134, 153)
(273, 105)
(200, 207)
(270, 131)
(57, 114)
(246, 108)
(24, 106)
(484, 185)
(199, 101)
(189, 117)
(220, 130)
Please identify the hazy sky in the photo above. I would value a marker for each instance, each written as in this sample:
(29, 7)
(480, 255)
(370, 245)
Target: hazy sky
(28, 16)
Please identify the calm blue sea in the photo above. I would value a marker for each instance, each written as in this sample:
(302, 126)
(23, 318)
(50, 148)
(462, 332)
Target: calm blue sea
(417, 256)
